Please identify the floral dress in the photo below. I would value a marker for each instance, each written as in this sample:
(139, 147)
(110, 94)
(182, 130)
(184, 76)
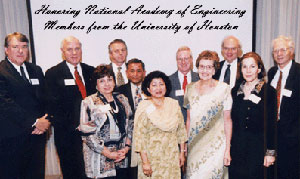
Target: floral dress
(110, 124)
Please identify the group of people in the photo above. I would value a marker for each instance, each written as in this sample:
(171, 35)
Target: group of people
(114, 121)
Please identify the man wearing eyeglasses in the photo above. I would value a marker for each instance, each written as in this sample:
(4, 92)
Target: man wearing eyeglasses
(284, 109)
(229, 71)
(23, 120)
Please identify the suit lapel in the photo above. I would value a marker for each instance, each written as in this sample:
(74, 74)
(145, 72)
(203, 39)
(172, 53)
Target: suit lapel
(177, 85)
(130, 96)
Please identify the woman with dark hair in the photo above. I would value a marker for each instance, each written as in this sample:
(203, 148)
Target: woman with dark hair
(106, 120)
(158, 130)
(208, 121)
(248, 118)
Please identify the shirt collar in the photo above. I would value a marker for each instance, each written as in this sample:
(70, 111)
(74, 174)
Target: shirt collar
(233, 63)
(286, 69)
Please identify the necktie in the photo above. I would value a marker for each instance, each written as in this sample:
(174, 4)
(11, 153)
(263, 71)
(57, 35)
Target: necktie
(227, 75)
(184, 83)
(23, 74)
(137, 97)
(79, 83)
(278, 91)
(120, 79)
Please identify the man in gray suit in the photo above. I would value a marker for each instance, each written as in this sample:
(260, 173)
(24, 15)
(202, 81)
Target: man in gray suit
(183, 76)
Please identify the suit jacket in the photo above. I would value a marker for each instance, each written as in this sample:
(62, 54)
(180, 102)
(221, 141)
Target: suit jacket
(65, 99)
(126, 91)
(177, 86)
(21, 103)
(239, 76)
(288, 128)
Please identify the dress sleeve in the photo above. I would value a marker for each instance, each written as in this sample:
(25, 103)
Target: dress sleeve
(140, 133)
(228, 99)
(186, 102)
(181, 131)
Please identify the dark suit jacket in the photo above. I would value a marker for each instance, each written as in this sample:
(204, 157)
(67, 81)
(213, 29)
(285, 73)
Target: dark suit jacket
(21, 103)
(177, 86)
(239, 76)
(126, 90)
(65, 100)
(288, 128)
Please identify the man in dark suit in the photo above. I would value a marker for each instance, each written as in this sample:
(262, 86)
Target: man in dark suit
(67, 84)
(23, 120)
(118, 54)
(183, 76)
(133, 91)
(229, 71)
(285, 107)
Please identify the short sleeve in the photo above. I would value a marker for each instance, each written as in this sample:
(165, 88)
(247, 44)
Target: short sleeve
(186, 102)
(228, 99)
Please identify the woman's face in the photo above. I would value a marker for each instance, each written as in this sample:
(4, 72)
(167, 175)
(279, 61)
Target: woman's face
(157, 88)
(206, 69)
(250, 69)
(106, 85)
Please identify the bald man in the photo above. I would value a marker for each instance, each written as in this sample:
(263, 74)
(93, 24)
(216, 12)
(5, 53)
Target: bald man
(229, 71)
(68, 83)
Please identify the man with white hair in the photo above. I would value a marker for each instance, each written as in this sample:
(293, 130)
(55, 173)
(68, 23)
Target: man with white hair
(68, 83)
(284, 109)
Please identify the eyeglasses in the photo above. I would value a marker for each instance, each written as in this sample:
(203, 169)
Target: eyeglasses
(281, 50)
(207, 67)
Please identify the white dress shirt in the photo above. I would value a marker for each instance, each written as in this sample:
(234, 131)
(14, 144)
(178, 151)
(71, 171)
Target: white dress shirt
(285, 73)
(181, 78)
(233, 72)
(72, 70)
(18, 68)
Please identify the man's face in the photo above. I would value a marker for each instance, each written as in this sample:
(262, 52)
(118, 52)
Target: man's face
(135, 73)
(118, 53)
(184, 61)
(282, 53)
(17, 52)
(72, 51)
(230, 49)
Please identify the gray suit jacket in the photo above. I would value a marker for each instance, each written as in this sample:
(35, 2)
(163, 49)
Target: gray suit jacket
(177, 86)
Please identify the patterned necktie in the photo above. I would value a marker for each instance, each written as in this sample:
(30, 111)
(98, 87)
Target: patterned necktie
(184, 83)
(79, 83)
(227, 75)
(23, 74)
(137, 97)
(278, 91)
(120, 79)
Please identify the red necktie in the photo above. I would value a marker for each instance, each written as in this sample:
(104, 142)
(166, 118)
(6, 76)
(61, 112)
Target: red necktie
(184, 83)
(79, 83)
(278, 90)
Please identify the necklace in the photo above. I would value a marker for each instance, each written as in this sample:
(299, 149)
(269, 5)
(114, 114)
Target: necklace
(115, 110)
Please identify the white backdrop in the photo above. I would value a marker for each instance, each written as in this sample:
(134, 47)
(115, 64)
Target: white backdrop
(156, 48)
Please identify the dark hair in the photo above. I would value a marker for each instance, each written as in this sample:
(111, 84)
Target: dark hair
(154, 75)
(19, 36)
(102, 71)
(116, 41)
(135, 60)
(258, 61)
(209, 55)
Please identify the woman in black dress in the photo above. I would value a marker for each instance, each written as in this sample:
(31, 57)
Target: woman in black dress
(248, 118)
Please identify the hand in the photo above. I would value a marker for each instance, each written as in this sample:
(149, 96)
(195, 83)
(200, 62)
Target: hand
(269, 160)
(36, 131)
(108, 154)
(227, 158)
(147, 169)
(181, 159)
(42, 123)
(122, 154)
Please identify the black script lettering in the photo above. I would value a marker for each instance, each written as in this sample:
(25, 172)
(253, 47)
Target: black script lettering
(139, 25)
(141, 10)
(96, 27)
(92, 9)
(69, 27)
(119, 26)
(44, 10)
(190, 28)
(50, 24)
(182, 13)
(207, 25)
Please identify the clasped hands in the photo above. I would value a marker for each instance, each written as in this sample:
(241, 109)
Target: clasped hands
(42, 124)
(117, 156)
